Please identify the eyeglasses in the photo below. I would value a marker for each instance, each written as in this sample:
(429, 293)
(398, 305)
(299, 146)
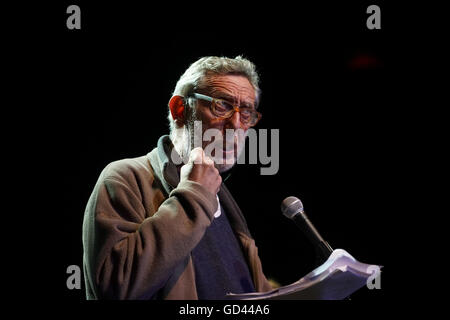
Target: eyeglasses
(224, 110)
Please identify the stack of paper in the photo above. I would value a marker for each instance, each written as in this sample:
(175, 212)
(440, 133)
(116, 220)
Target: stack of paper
(336, 279)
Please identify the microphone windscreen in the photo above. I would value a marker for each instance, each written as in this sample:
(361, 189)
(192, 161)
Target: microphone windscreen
(291, 206)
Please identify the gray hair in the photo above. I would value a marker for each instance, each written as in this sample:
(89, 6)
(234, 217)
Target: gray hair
(193, 77)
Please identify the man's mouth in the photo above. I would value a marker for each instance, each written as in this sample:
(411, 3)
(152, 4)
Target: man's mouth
(225, 152)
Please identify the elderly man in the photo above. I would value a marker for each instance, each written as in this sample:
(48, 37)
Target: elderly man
(156, 227)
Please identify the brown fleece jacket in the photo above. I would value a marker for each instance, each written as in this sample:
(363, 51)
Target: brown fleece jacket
(141, 224)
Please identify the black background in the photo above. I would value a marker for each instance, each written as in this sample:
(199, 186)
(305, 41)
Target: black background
(326, 84)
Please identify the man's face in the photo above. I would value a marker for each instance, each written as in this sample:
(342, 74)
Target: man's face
(237, 90)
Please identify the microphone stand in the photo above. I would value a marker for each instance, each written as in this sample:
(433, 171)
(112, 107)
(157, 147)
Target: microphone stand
(322, 248)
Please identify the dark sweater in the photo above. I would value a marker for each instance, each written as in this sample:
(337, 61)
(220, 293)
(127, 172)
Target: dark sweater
(219, 264)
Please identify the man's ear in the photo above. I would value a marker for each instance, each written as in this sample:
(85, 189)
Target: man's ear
(176, 105)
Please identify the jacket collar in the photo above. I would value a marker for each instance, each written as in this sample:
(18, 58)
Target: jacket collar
(163, 167)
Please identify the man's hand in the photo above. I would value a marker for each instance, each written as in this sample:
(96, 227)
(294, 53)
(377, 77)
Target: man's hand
(200, 168)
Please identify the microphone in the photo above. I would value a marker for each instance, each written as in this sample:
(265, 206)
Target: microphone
(292, 208)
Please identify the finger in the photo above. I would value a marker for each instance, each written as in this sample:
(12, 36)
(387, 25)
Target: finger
(207, 160)
(220, 184)
(186, 169)
(196, 156)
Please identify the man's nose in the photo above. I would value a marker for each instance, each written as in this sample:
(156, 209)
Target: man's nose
(234, 122)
